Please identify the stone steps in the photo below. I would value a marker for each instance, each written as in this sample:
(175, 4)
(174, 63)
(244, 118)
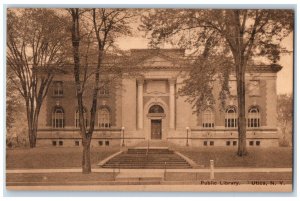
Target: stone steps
(149, 151)
(153, 143)
(146, 163)
(152, 158)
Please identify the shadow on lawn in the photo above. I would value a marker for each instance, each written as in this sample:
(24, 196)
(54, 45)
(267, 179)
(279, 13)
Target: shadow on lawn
(63, 157)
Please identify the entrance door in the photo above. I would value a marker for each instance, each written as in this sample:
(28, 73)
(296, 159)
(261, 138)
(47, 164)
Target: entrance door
(156, 129)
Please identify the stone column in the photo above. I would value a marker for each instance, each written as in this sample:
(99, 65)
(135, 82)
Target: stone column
(140, 92)
(172, 103)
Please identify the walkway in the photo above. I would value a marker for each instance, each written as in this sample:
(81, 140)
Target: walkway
(165, 188)
(266, 170)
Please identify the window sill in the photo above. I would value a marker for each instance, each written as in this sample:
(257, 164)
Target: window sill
(58, 128)
(254, 95)
(103, 96)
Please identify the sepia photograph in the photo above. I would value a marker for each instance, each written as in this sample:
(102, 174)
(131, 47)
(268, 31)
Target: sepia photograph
(149, 99)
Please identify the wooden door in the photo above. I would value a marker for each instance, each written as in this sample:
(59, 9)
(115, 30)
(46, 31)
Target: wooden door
(156, 129)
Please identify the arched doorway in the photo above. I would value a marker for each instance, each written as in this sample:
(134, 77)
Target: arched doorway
(156, 113)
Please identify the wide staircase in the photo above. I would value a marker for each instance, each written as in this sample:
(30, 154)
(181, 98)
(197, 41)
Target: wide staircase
(153, 143)
(147, 158)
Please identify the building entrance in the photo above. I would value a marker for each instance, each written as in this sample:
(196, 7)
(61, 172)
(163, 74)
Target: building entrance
(156, 129)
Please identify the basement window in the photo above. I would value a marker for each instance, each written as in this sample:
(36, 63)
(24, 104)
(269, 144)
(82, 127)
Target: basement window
(251, 143)
(77, 143)
(100, 143)
(257, 143)
(205, 143)
(61, 143)
(54, 143)
(211, 143)
(107, 143)
(234, 143)
(227, 143)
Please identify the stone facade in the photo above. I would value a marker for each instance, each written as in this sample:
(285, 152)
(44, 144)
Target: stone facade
(148, 107)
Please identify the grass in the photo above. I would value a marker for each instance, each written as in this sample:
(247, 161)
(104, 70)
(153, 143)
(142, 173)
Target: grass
(59, 177)
(46, 158)
(275, 157)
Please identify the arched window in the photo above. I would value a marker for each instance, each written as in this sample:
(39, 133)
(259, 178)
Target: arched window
(58, 120)
(103, 118)
(230, 117)
(156, 109)
(208, 119)
(253, 117)
(77, 118)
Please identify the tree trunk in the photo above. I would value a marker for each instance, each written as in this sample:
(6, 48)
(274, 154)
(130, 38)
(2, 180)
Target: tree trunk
(31, 130)
(32, 139)
(86, 156)
(240, 70)
(86, 137)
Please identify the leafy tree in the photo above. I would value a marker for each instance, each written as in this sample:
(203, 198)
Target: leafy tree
(35, 39)
(14, 108)
(239, 35)
(285, 116)
(106, 26)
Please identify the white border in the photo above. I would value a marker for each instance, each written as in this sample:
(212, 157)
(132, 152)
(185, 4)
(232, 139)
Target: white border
(228, 3)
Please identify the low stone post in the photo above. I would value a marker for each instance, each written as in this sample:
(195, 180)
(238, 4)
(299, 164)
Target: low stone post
(165, 172)
(212, 173)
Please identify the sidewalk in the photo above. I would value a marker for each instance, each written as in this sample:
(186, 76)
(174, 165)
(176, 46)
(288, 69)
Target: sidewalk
(138, 171)
(163, 188)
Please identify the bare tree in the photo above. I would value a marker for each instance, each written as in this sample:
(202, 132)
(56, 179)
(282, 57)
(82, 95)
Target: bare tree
(34, 43)
(239, 34)
(107, 25)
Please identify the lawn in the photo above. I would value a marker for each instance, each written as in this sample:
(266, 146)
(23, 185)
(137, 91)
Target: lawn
(279, 157)
(275, 157)
(65, 157)
(58, 178)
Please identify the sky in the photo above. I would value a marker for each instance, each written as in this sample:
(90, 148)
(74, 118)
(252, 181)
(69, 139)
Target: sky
(284, 77)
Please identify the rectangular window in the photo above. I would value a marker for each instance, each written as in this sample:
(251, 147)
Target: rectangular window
(205, 143)
(251, 143)
(58, 88)
(61, 143)
(234, 143)
(232, 87)
(100, 143)
(53, 143)
(211, 143)
(227, 143)
(254, 123)
(77, 125)
(104, 88)
(208, 125)
(77, 143)
(106, 143)
(59, 121)
(231, 122)
(254, 89)
(257, 143)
